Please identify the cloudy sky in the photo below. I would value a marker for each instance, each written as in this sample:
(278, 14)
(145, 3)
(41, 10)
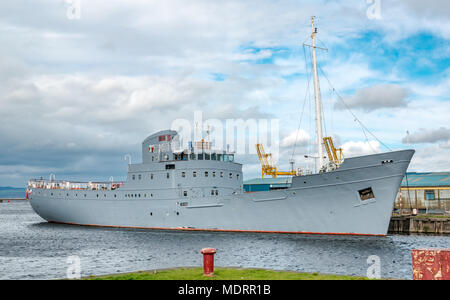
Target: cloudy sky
(84, 82)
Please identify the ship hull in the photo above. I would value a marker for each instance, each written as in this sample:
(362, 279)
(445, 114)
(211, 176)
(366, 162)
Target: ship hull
(325, 203)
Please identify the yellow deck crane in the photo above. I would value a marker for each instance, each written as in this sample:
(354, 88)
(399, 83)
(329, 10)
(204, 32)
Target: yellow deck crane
(268, 167)
(333, 152)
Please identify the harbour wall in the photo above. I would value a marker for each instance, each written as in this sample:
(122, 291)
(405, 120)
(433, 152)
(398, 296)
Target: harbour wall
(414, 224)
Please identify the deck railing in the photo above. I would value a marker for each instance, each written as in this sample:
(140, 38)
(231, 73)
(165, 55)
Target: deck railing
(72, 185)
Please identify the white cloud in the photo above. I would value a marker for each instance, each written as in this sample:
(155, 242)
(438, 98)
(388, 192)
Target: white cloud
(428, 136)
(376, 97)
(297, 137)
(352, 149)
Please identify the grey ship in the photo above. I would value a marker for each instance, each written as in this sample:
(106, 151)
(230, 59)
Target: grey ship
(202, 189)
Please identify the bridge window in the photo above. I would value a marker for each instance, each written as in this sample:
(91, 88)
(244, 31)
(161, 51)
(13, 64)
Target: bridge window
(206, 174)
(151, 176)
(221, 174)
(194, 174)
(237, 176)
(139, 176)
(168, 175)
(133, 177)
(183, 174)
(231, 175)
(214, 174)
(185, 194)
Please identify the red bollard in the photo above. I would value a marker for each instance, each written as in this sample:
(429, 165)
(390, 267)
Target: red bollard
(208, 261)
(431, 264)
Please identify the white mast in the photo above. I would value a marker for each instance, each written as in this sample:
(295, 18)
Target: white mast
(317, 99)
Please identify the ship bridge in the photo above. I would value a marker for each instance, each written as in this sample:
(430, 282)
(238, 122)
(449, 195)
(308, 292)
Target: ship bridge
(198, 171)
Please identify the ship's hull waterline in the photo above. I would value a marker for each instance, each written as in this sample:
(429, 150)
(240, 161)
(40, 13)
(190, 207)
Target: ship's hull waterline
(325, 203)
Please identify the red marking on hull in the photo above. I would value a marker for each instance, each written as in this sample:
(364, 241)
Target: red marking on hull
(221, 230)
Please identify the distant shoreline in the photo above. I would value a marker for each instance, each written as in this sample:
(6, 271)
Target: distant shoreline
(11, 193)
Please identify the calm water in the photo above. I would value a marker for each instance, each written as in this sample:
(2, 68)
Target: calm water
(33, 249)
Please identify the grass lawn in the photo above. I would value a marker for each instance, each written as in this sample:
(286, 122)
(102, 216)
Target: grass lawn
(221, 274)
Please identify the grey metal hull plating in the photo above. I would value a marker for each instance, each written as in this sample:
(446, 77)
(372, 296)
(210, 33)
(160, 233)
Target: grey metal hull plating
(326, 203)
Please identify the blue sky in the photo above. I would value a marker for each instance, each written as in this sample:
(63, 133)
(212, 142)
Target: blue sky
(78, 94)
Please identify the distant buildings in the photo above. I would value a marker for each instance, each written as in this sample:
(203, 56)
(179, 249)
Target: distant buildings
(426, 192)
